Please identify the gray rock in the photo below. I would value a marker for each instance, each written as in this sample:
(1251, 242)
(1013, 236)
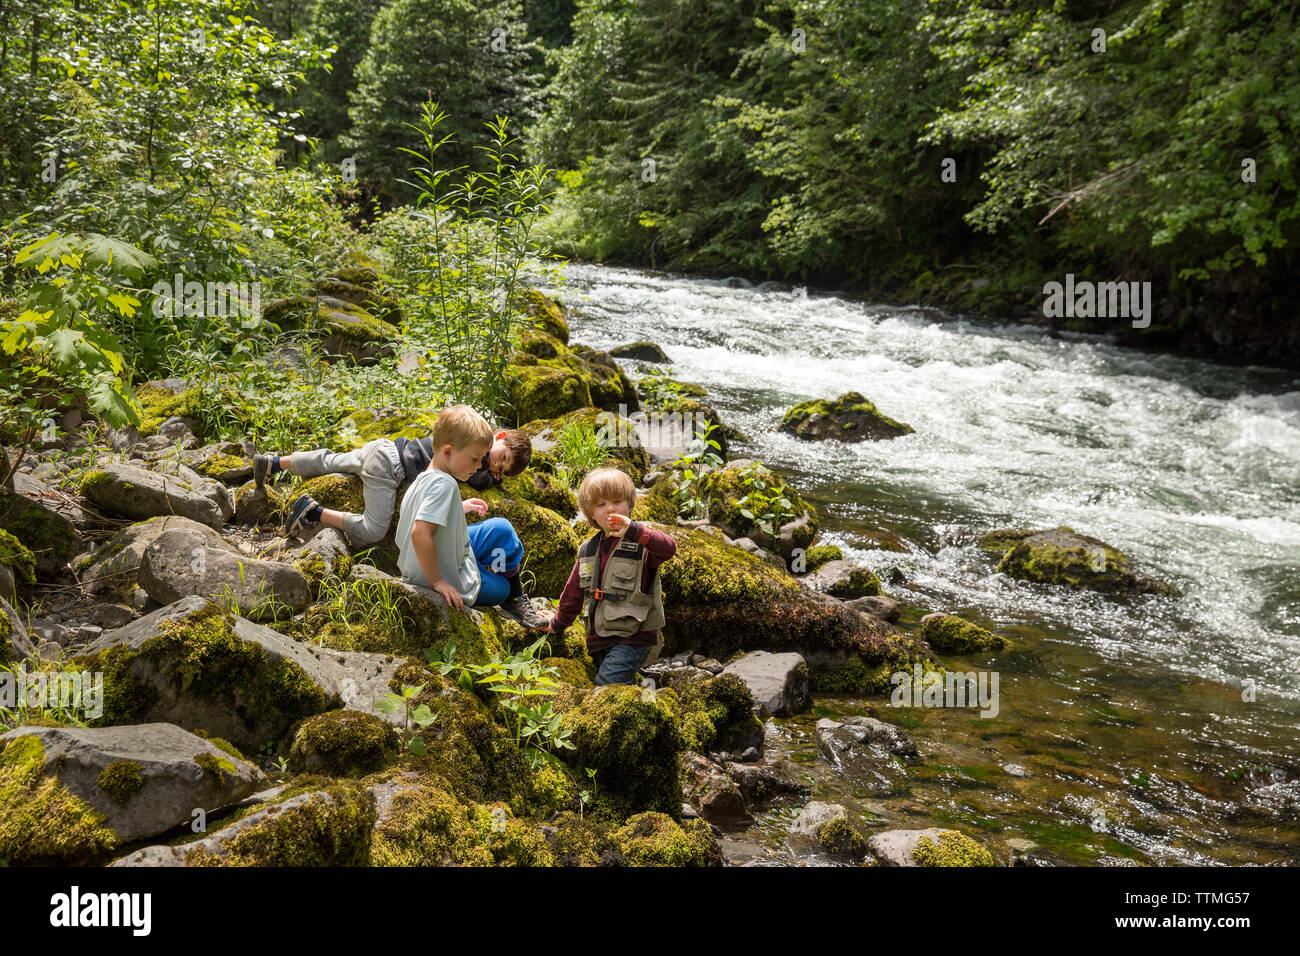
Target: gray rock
(867, 749)
(641, 351)
(172, 783)
(35, 515)
(137, 493)
(894, 847)
(328, 544)
(208, 487)
(354, 679)
(113, 569)
(813, 816)
(844, 580)
(177, 431)
(878, 606)
(760, 783)
(778, 682)
(714, 794)
(8, 590)
(180, 563)
(711, 665)
(218, 844)
(18, 643)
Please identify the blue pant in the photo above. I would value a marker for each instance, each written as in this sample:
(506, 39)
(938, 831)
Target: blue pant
(499, 552)
(619, 664)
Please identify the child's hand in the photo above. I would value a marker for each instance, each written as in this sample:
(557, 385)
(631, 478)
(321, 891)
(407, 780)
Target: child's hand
(450, 595)
(618, 524)
(475, 504)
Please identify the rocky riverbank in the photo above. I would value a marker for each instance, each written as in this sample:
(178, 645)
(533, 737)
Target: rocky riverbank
(241, 671)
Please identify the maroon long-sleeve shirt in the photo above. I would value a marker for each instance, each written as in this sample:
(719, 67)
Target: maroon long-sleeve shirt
(660, 548)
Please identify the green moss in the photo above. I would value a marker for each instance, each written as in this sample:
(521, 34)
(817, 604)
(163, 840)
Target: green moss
(851, 413)
(654, 507)
(121, 780)
(364, 295)
(820, 554)
(543, 490)
(369, 425)
(509, 841)
(218, 466)
(1000, 541)
(203, 657)
(626, 456)
(550, 544)
(225, 746)
(540, 344)
(838, 838)
(91, 479)
(717, 714)
(952, 635)
(19, 558)
(1065, 557)
(336, 492)
(953, 849)
(860, 582)
(40, 820)
(572, 671)
(725, 488)
(653, 839)
(215, 765)
(343, 743)
(544, 392)
(633, 744)
(546, 313)
(719, 600)
(553, 789)
(427, 826)
(160, 404)
(332, 828)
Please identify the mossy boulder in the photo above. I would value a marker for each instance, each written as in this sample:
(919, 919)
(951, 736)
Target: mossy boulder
(540, 344)
(839, 838)
(930, 847)
(642, 350)
(344, 328)
(378, 613)
(550, 543)
(547, 314)
(654, 839)
(844, 580)
(716, 714)
(336, 492)
(330, 826)
(618, 433)
(545, 392)
(143, 779)
(422, 824)
(952, 635)
(719, 600)
(49, 537)
(193, 665)
(112, 572)
(632, 742)
(367, 424)
(41, 820)
(849, 418)
(369, 296)
(167, 398)
(1065, 557)
(543, 489)
(18, 558)
(343, 743)
(820, 554)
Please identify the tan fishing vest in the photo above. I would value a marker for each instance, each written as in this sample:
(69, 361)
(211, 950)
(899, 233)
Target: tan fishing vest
(619, 606)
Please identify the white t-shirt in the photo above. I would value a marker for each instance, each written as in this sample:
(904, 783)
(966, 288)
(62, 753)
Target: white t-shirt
(435, 497)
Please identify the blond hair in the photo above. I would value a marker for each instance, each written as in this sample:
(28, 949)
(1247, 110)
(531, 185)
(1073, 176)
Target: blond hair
(605, 484)
(461, 427)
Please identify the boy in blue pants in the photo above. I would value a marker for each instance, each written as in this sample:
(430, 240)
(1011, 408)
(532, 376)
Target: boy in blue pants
(437, 549)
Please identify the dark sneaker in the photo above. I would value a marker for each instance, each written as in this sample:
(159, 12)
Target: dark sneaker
(521, 609)
(262, 469)
(297, 520)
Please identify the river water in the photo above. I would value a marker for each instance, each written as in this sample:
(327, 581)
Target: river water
(1129, 731)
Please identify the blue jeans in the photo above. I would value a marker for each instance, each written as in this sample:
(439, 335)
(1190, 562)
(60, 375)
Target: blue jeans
(619, 664)
(499, 552)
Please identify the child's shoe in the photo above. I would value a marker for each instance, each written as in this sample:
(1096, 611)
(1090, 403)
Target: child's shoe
(298, 519)
(262, 469)
(520, 608)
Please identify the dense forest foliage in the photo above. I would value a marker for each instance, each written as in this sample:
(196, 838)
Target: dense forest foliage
(959, 153)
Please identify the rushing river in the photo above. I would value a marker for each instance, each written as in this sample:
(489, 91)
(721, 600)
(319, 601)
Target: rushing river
(1129, 730)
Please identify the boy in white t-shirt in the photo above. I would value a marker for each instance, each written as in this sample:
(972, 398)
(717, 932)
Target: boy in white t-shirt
(476, 565)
